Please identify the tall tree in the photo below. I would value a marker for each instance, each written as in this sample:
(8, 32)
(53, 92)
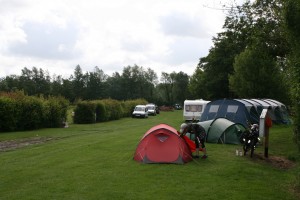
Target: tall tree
(95, 88)
(257, 75)
(114, 86)
(292, 18)
(253, 25)
(78, 81)
(181, 91)
(26, 81)
(167, 83)
(196, 85)
(151, 81)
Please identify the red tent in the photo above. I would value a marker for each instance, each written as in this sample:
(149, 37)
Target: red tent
(162, 144)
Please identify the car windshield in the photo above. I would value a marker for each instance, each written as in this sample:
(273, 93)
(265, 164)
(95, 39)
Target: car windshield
(139, 109)
(150, 107)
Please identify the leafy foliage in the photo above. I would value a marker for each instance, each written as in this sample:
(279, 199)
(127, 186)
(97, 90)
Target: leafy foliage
(256, 75)
(292, 16)
(254, 26)
(85, 113)
(21, 112)
(8, 113)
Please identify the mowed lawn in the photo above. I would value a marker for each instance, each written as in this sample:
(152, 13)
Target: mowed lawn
(95, 162)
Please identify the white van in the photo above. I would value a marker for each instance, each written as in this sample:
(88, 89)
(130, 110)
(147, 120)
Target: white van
(151, 109)
(193, 109)
(140, 111)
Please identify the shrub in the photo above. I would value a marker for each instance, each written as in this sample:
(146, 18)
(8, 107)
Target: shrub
(31, 113)
(113, 108)
(129, 105)
(55, 111)
(101, 114)
(8, 114)
(85, 113)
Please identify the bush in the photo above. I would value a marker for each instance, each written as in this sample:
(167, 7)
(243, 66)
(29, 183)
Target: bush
(104, 110)
(8, 114)
(31, 113)
(55, 112)
(113, 108)
(85, 113)
(21, 112)
(101, 114)
(128, 106)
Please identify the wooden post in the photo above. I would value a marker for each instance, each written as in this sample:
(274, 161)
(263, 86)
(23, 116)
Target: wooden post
(266, 142)
(268, 125)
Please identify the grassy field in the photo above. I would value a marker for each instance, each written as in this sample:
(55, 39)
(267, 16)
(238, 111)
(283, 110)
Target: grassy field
(95, 162)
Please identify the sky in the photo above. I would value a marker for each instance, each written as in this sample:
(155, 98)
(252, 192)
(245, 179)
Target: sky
(57, 35)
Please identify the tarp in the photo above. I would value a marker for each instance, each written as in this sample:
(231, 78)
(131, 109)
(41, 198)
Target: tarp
(162, 144)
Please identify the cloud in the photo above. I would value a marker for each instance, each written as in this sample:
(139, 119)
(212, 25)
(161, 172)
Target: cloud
(59, 34)
(48, 41)
(183, 25)
(184, 50)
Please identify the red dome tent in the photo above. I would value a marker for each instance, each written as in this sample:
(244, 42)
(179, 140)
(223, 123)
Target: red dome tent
(162, 144)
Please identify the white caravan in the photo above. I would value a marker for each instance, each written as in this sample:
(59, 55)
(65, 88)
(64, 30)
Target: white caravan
(193, 109)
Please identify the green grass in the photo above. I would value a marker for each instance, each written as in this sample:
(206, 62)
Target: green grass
(95, 162)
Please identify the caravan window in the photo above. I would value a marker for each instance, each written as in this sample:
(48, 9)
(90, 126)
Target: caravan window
(193, 108)
(232, 109)
(213, 108)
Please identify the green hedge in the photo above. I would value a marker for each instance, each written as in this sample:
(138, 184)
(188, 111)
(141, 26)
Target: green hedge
(19, 112)
(104, 110)
(129, 105)
(85, 113)
(55, 112)
(101, 115)
(8, 114)
(31, 113)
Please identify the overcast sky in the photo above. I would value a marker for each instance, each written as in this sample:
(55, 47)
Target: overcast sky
(57, 35)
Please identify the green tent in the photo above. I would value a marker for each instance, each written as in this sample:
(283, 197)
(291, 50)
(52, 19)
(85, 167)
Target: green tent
(224, 131)
(204, 124)
(221, 130)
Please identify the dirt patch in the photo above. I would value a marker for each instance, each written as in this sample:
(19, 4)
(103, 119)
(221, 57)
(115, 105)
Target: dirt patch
(16, 144)
(275, 161)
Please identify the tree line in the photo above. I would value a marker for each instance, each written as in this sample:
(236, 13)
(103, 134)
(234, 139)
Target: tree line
(135, 82)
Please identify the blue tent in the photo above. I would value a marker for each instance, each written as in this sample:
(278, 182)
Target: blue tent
(242, 111)
(233, 110)
(252, 110)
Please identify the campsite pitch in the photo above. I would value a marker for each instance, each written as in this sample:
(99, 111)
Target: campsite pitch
(96, 162)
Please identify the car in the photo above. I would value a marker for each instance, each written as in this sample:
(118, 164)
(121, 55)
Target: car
(177, 106)
(140, 111)
(151, 109)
